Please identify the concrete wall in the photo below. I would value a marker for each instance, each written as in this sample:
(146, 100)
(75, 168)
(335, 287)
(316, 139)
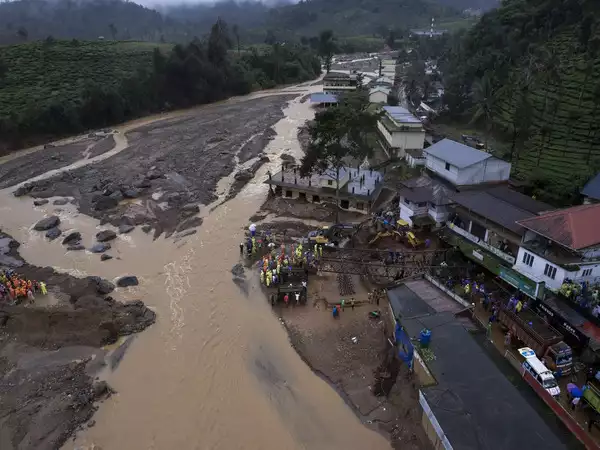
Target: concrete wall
(414, 162)
(539, 265)
(378, 97)
(489, 170)
(295, 194)
(438, 213)
(403, 140)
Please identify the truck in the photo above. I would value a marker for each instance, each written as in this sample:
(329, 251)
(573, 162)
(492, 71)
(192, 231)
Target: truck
(537, 334)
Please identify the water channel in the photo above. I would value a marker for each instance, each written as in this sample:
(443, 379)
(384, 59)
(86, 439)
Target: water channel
(216, 371)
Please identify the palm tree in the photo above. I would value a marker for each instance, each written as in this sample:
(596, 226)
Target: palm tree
(484, 97)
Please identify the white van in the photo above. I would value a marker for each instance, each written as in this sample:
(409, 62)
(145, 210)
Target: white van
(539, 371)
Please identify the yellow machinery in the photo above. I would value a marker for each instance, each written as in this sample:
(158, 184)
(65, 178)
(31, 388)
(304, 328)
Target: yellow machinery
(413, 240)
(333, 234)
(389, 233)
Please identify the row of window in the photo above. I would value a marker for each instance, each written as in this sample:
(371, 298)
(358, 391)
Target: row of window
(550, 270)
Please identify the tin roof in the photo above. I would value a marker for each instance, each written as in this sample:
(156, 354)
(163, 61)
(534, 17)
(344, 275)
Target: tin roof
(592, 188)
(457, 154)
(400, 114)
(575, 228)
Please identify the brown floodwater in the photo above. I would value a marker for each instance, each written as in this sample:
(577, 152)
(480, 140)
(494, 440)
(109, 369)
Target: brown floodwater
(216, 371)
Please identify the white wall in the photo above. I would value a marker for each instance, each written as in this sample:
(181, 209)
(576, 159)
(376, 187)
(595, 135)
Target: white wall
(490, 170)
(536, 271)
(325, 179)
(438, 166)
(406, 213)
(438, 213)
(414, 162)
(378, 97)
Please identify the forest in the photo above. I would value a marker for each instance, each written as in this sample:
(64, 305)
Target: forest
(27, 20)
(528, 73)
(54, 88)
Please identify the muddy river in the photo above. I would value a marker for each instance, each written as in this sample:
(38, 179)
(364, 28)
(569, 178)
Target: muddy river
(216, 371)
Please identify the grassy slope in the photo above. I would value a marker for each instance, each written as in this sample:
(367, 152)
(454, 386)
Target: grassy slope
(564, 112)
(40, 73)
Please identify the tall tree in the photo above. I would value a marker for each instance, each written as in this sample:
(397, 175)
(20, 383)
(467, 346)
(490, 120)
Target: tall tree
(236, 33)
(484, 98)
(219, 42)
(327, 47)
(337, 135)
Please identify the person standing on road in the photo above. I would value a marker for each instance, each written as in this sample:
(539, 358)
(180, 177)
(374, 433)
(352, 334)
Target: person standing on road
(343, 303)
(286, 299)
(352, 303)
(242, 249)
(297, 298)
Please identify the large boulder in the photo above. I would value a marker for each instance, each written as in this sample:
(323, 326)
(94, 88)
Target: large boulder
(104, 287)
(125, 228)
(127, 281)
(40, 202)
(102, 203)
(106, 235)
(131, 193)
(60, 201)
(75, 247)
(117, 195)
(101, 247)
(47, 223)
(73, 236)
(105, 257)
(53, 233)
(147, 228)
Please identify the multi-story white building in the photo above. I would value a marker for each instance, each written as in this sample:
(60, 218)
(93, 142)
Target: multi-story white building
(400, 131)
(463, 165)
(559, 245)
(337, 83)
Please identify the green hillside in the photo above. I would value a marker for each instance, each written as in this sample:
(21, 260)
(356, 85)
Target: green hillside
(41, 74)
(531, 72)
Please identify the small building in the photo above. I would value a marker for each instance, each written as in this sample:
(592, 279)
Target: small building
(466, 400)
(388, 68)
(324, 100)
(400, 131)
(383, 81)
(425, 200)
(359, 188)
(379, 94)
(338, 83)
(591, 191)
(485, 228)
(463, 165)
(415, 158)
(559, 245)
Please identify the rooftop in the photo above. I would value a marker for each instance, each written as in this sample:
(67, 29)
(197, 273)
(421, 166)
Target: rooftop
(385, 90)
(576, 228)
(457, 154)
(592, 188)
(500, 205)
(426, 188)
(320, 97)
(339, 76)
(290, 177)
(473, 401)
(400, 114)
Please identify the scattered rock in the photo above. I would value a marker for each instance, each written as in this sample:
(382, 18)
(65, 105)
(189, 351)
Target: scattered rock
(91, 423)
(102, 203)
(47, 223)
(100, 389)
(238, 270)
(105, 257)
(106, 235)
(191, 208)
(131, 193)
(40, 202)
(243, 175)
(127, 281)
(104, 287)
(153, 174)
(286, 157)
(143, 184)
(124, 228)
(60, 201)
(74, 236)
(264, 159)
(147, 228)
(100, 247)
(117, 195)
(76, 247)
(23, 190)
(53, 233)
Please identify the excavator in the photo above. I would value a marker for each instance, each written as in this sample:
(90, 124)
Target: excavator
(407, 236)
(331, 235)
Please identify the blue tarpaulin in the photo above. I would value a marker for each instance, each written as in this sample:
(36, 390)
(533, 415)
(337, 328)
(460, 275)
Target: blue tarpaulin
(321, 97)
(406, 349)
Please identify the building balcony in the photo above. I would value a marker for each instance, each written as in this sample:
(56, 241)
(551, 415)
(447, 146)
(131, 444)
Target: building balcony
(481, 243)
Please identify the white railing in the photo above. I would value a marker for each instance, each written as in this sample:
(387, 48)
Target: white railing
(499, 253)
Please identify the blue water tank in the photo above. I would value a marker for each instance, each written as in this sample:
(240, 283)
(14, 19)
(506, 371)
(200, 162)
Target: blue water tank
(425, 337)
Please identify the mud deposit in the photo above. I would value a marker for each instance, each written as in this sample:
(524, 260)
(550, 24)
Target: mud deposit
(49, 355)
(169, 165)
(21, 168)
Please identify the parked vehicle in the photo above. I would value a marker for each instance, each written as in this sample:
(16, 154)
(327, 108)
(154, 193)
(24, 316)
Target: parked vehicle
(537, 334)
(539, 371)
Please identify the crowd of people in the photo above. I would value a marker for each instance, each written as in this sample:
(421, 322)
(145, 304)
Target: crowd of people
(15, 288)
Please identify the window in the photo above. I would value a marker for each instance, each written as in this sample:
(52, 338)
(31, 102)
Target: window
(550, 271)
(586, 273)
(528, 259)
(447, 166)
(329, 182)
(288, 194)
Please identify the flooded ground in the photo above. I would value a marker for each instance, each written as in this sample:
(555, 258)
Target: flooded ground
(216, 371)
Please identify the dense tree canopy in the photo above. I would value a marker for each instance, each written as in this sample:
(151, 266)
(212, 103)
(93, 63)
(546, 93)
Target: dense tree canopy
(65, 87)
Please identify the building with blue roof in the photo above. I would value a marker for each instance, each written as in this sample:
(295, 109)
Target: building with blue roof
(323, 99)
(591, 191)
(399, 131)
